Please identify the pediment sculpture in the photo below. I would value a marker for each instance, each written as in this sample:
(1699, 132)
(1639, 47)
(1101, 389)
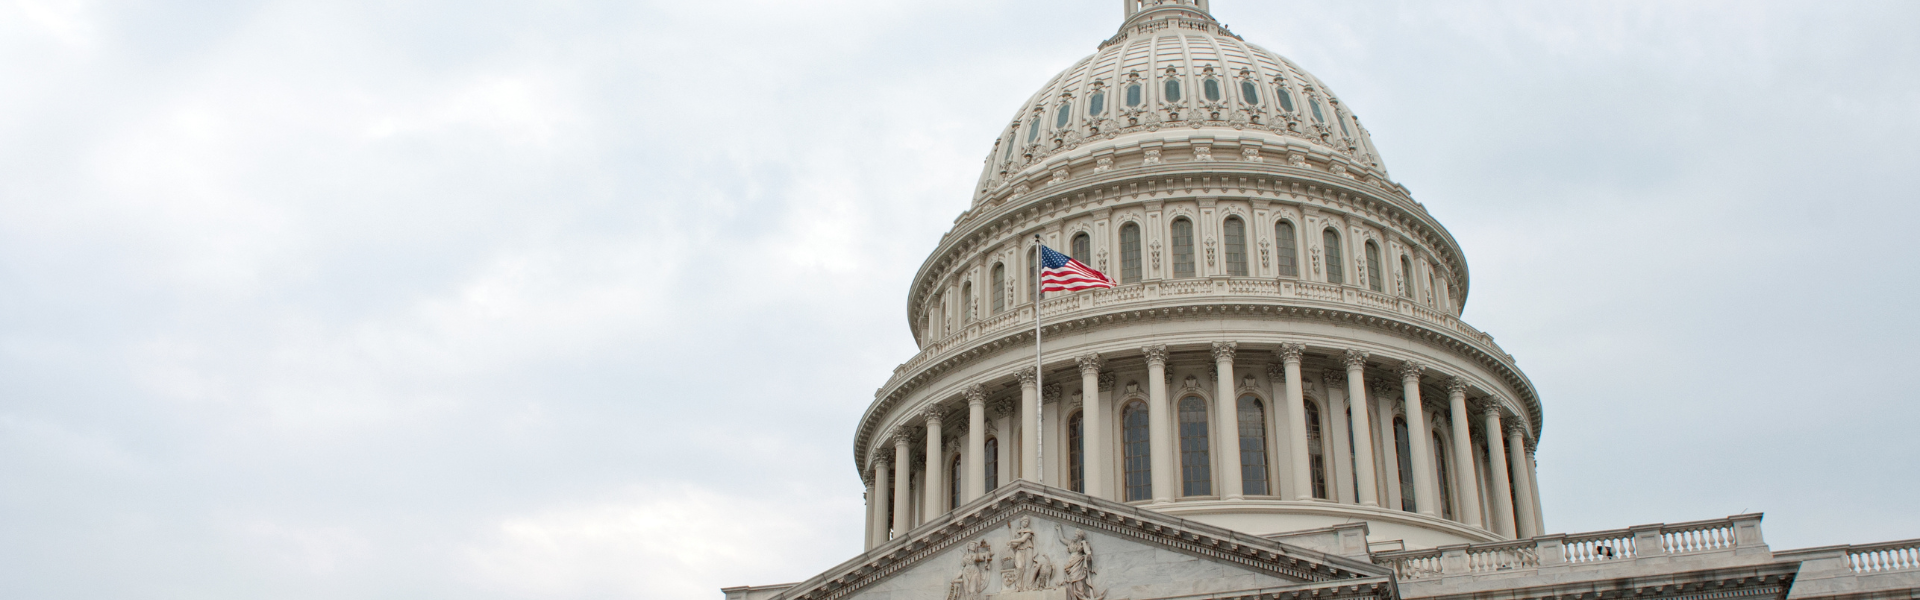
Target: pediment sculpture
(1025, 567)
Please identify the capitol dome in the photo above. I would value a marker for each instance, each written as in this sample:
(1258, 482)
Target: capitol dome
(1283, 351)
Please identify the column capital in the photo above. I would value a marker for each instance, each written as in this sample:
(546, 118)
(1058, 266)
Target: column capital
(1515, 428)
(1356, 359)
(1333, 378)
(1411, 371)
(881, 461)
(1291, 352)
(1107, 380)
(902, 437)
(1027, 376)
(1090, 364)
(933, 415)
(1491, 411)
(1457, 385)
(977, 394)
(1223, 351)
(1156, 355)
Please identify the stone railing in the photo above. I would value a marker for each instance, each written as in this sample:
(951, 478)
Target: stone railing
(1857, 570)
(1720, 536)
(1884, 558)
(1308, 293)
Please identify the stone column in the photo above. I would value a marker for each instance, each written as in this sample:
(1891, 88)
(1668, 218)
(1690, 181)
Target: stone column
(1110, 396)
(1301, 466)
(1362, 428)
(1503, 523)
(1226, 405)
(1533, 484)
(1389, 452)
(902, 479)
(1029, 425)
(1426, 497)
(936, 484)
(1004, 413)
(1463, 463)
(867, 480)
(1340, 474)
(1093, 437)
(1280, 430)
(1522, 480)
(1159, 429)
(882, 472)
(976, 442)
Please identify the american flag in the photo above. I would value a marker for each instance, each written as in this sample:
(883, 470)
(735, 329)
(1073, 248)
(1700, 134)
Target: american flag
(1060, 273)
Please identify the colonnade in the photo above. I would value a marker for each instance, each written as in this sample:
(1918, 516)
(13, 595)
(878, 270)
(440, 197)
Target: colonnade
(1492, 488)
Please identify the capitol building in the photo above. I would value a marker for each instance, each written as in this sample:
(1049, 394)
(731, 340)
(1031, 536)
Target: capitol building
(1277, 401)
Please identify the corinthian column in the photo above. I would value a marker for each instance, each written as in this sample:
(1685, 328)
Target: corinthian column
(1426, 497)
(1497, 461)
(936, 484)
(902, 479)
(1362, 428)
(1029, 425)
(1299, 467)
(1463, 462)
(1523, 516)
(882, 472)
(1159, 430)
(976, 442)
(1093, 434)
(1226, 406)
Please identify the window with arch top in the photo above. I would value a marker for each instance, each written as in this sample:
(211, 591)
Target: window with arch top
(1130, 253)
(1062, 116)
(1406, 276)
(1286, 249)
(1076, 453)
(1134, 450)
(1445, 476)
(1235, 232)
(1330, 241)
(1182, 242)
(999, 287)
(966, 303)
(1375, 277)
(1253, 447)
(1082, 248)
(1196, 467)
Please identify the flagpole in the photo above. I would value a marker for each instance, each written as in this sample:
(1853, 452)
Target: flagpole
(1039, 387)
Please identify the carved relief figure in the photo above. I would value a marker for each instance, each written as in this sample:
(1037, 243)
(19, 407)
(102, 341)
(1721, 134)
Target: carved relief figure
(1020, 549)
(975, 563)
(1079, 566)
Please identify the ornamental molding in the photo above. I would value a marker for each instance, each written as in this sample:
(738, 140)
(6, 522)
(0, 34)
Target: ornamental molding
(1290, 352)
(1090, 364)
(1410, 370)
(1224, 351)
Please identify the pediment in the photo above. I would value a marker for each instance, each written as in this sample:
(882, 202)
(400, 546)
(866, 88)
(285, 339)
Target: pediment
(1029, 542)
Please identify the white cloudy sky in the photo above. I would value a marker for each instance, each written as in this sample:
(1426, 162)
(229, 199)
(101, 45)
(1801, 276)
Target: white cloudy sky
(581, 299)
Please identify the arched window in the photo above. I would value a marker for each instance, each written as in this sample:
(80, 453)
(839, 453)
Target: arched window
(1404, 449)
(1286, 249)
(1315, 103)
(1253, 447)
(1182, 247)
(1286, 98)
(1076, 453)
(1330, 240)
(1444, 474)
(1211, 88)
(999, 287)
(1083, 248)
(1235, 232)
(1406, 276)
(1196, 470)
(1060, 117)
(1130, 253)
(1316, 453)
(1133, 96)
(1375, 278)
(1249, 93)
(1172, 90)
(1097, 104)
(966, 303)
(992, 459)
(1033, 129)
(1432, 292)
(955, 479)
(1135, 451)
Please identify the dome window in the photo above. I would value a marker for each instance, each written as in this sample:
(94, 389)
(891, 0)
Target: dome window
(1097, 104)
(1173, 90)
(1063, 115)
(1133, 96)
(1211, 89)
(1343, 128)
(1336, 270)
(1315, 103)
(1286, 100)
(1249, 93)
(1033, 130)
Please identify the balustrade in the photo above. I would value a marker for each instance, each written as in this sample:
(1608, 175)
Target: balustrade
(1701, 537)
(1595, 547)
(1505, 556)
(1881, 558)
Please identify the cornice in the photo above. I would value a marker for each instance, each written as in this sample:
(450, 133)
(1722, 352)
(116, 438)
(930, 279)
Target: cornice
(905, 382)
